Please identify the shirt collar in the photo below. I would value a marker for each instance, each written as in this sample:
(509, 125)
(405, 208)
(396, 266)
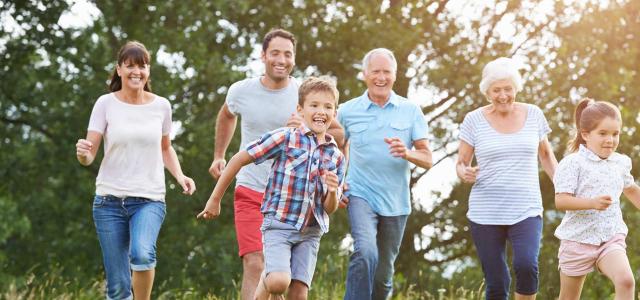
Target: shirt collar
(328, 139)
(584, 151)
(367, 103)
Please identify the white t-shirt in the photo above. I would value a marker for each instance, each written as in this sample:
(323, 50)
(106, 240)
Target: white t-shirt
(132, 164)
(585, 175)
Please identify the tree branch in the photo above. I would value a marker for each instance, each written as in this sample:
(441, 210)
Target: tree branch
(27, 123)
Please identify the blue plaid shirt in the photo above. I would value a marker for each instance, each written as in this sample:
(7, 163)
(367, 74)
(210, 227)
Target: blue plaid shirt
(295, 190)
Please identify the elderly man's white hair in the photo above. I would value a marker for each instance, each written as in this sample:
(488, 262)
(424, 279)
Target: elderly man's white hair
(383, 51)
(499, 69)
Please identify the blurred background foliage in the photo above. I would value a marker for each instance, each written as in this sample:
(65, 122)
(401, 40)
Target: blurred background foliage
(54, 66)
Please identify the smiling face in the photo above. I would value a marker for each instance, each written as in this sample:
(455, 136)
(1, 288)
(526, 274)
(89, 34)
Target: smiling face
(134, 76)
(379, 76)
(502, 95)
(279, 59)
(318, 111)
(603, 140)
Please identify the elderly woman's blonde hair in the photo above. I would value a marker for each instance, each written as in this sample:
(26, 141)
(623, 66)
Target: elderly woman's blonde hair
(500, 69)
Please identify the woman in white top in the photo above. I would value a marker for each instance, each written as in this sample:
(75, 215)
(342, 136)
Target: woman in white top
(507, 138)
(588, 185)
(129, 206)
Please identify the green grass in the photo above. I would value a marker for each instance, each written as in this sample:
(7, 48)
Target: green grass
(328, 283)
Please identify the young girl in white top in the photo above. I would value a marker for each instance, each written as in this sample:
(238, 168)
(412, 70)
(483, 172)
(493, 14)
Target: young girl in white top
(588, 184)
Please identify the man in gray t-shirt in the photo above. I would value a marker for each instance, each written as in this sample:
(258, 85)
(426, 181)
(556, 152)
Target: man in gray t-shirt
(263, 104)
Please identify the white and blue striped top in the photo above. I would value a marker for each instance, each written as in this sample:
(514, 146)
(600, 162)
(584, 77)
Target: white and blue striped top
(507, 187)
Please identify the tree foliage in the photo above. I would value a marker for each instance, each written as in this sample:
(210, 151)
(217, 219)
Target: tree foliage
(51, 76)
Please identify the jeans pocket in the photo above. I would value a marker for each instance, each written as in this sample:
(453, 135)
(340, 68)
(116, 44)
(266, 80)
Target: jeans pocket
(98, 201)
(266, 223)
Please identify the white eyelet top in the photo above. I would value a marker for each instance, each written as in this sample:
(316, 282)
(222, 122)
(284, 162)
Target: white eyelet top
(585, 175)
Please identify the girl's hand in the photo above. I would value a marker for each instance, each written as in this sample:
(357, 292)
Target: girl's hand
(469, 174)
(210, 211)
(187, 184)
(601, 202)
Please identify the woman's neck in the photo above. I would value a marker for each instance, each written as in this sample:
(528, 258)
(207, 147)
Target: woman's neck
(503, 113)
(133, 96)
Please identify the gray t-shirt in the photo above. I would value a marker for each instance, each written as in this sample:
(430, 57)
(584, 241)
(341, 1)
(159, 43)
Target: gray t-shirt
(261, 110)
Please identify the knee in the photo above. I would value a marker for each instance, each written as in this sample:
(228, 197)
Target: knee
(253, 263)
(528, 267)
(277, 282)
(368, 253)
(143, 258)
(624, 282)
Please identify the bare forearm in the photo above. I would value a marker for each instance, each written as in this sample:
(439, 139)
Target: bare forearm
(171, 162)
(547, 158)
(633, 194)
(331, 202)
(570, 202)
(238, 161)
(225, 126)
(549, 165)
(420, 158)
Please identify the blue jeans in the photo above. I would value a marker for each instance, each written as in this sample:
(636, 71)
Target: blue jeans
(490, 242)
(377, 242)
(127, 229)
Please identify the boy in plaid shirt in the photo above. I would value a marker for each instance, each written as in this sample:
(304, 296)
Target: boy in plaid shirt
(303, 189)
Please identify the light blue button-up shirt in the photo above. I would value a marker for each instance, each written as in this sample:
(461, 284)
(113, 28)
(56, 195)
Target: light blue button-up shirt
(374, 175)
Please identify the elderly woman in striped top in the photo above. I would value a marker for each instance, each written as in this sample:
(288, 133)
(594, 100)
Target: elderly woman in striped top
(507, 138)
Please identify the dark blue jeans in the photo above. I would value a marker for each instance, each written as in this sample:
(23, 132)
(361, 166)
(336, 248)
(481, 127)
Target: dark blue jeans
(491, 242)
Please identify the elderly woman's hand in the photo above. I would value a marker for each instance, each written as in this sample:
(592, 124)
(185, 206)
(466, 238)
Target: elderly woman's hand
(469, 174)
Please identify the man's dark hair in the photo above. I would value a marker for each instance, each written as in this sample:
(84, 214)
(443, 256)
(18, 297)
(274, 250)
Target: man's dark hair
(278, 33)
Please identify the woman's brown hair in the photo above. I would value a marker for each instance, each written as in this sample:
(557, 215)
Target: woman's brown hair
(588, 115)
(132, 52)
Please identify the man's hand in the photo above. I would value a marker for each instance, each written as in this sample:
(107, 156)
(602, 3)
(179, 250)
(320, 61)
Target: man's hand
(216, 168)
(396, 147)
(294, 121)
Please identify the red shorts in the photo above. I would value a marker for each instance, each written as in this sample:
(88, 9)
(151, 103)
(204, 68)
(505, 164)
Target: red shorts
(248, 219)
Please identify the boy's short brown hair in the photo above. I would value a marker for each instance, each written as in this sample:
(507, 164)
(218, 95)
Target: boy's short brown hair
(317, 84)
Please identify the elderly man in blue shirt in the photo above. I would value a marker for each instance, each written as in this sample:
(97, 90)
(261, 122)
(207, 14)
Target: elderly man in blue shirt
(385, 133)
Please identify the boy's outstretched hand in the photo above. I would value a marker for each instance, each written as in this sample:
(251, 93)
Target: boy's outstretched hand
(210, 211)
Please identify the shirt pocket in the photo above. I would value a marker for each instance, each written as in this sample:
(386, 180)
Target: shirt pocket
(296, 158)
(401, 130)
(357, 134)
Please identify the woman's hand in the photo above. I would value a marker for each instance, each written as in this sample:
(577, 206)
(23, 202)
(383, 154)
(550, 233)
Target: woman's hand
(187, 184)
(469, 174)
